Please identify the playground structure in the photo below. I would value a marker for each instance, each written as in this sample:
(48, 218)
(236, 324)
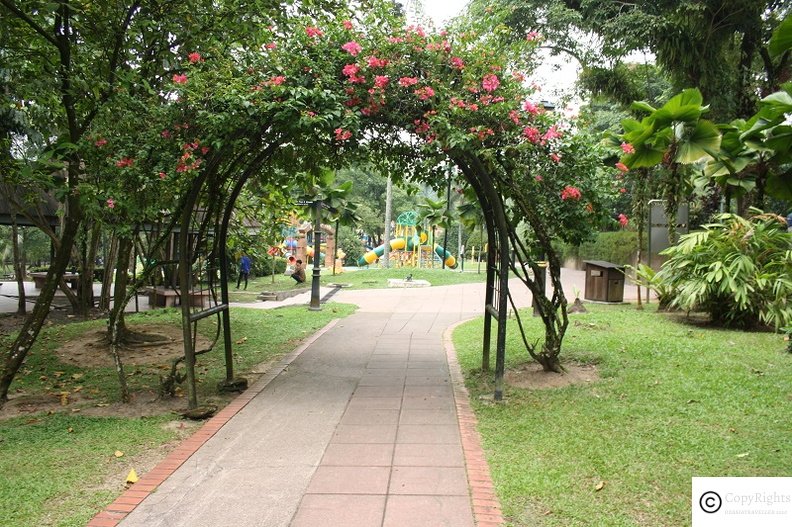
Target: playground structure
(409, 249)
(302, 250)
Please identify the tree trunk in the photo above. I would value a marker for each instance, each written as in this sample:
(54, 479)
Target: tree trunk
(85, 296)
(32, 326)
(116, 325)
(107, 279)
(19, 266)
(337, 242)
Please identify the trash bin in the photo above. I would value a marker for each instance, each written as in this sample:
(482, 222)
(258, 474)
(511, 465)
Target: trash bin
(604, 281)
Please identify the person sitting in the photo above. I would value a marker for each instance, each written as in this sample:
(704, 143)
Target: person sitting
(299, 272)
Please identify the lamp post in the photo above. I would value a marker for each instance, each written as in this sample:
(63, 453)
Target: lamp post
(315, 304)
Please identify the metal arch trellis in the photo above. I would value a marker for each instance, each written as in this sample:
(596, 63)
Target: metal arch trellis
(497, 291)
(203, 266)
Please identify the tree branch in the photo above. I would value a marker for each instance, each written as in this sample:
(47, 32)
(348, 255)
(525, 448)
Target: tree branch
(30, 22)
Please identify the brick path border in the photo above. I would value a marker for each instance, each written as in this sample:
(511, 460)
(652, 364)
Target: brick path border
(486, 506)
(148, 483)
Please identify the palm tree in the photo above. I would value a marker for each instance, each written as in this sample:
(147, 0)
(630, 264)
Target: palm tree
(435, 213)
(470, 214)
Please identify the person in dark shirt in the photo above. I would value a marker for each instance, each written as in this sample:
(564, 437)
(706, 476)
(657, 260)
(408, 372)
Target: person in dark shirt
(299, 272)
(244, 270)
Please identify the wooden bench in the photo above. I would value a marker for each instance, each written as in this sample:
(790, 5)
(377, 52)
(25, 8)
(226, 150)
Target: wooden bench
(39, 278)
(168, 297)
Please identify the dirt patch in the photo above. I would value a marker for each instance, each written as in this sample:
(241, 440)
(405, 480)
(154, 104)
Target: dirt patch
(93, 350)
(143, 403)
(532, 377)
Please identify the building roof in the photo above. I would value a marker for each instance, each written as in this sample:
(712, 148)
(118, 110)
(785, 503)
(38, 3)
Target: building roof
(602, 263)
(36, 204)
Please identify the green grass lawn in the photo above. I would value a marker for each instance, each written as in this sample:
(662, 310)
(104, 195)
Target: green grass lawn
(372, 278)
(52, 466)
(674, 401)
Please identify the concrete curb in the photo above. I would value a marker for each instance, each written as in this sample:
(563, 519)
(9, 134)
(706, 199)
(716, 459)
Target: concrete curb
(132, 497)
(486, 506)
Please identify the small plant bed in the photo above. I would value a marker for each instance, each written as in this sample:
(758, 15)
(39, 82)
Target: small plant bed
(67, 443)
(669, 401)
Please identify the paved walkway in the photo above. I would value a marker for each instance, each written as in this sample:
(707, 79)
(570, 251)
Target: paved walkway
(359, 429)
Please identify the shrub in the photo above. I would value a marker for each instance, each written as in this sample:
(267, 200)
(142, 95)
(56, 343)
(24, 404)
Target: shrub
(263, 266)
(617, 247)
(738, 270)
(353, 248)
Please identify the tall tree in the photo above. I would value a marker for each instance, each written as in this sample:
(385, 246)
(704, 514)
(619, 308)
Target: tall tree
(715, 45)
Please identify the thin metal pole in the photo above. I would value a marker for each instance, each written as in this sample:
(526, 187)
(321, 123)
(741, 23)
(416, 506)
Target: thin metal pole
(388, 214)
(448, 210)
(315, 300)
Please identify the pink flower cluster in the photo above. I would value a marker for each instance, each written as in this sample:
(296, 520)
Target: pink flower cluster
(352, 47)
(424, 93)
(180, 78)
(374, 62)
(187, 162)
(627, 148)
(552, 133)
(100, 142)
(407, 81)
(531, 36)
(490, 83)
(459, 103)
(313, 32)
(195, 57)
(488, 99)
(421, 127)
(342, 135)
(531, 108)
(125, 162)
(277, 80)
(571, 192)
(380, 81)
(457, 63)
(482, 132)
(110, 203)
(621, 166)
(623, 220)
(532, 134)
(347, 24)
(351, 71)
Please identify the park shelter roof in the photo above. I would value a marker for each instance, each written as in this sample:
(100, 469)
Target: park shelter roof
(36, 203)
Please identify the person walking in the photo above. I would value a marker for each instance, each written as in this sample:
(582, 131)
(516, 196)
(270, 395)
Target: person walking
(244, 270)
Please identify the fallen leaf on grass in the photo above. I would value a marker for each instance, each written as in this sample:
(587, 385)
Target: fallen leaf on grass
(132, 477)
(118, 453)
(600, 486)
(242, 340)
(744, 454)
(64, 398)
(77, 376)
(70, 430)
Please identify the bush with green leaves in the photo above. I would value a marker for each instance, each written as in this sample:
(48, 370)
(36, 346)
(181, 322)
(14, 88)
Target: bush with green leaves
(739, 270)
(618, 247)
(263, 266)
(353, 249)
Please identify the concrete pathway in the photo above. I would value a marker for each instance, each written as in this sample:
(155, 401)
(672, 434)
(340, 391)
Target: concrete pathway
(359, 429)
